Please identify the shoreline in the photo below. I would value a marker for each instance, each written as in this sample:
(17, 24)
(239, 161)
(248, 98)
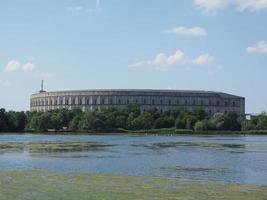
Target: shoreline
(167, 131)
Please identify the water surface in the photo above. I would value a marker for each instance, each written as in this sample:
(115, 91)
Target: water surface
(239, 159)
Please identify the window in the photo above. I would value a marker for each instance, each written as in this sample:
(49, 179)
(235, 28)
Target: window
(218, 103)
(119, 101)
(144, 101)
(61, 101)
(153, 102)
(128, 101)
(111, 101)
(161, 102)
(73, 101)
(234, 104)
(170, 102)
(226, 103)
(177, 102)
(103, 101)
(80, 101)
(202, 102)
(67, 101)
(55, 102)
(95, 101)
(194, 102)
(210, 102)
(185, 102)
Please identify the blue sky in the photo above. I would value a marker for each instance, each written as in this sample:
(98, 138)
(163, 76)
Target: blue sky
(215, 45)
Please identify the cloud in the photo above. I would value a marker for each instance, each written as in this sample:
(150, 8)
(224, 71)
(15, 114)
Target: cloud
(203, 59)
(260, 47)
(12, 66)
(4, 83)
(79, 8)
(15, 66)
(213, 5)
(28, 67)
(194, 31)
(177, 59)
(74, 8)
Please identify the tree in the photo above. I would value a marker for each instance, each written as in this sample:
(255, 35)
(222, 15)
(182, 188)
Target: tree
(190, 122)
(143, 121)
(4, 126)
(180, 123)
(199, 113)
(201, 125)
(164, 122)
(249, 125)
(262, 122)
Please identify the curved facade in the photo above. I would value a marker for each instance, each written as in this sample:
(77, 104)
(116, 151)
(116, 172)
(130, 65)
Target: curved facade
(211, 102)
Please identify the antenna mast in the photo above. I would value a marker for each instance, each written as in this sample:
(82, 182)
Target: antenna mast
(42, 86)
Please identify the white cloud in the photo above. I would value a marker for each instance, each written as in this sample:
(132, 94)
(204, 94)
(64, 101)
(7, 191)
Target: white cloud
(194, 31)
(213, 5)
(14, 66)
(177, 59)
(260, 47)
(74, 8)
(28, 67)
(203, 59)
(4, 83)
(80, 8)
(252, 5)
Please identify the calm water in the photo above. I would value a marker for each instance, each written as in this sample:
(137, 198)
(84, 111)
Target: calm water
(240, 159)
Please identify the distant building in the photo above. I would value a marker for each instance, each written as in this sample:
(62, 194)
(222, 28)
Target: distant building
(251, 116)
(163, 100)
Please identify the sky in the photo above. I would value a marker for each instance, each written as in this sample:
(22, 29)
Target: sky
(213, 45)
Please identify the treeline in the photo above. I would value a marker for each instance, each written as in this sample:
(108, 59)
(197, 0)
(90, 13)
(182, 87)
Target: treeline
(260, 123)
(130, 118)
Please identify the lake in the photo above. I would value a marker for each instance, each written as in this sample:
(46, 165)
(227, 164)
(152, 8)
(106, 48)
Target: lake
(237, 159)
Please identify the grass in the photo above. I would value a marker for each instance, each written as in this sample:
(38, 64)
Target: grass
(49, 186)
(51, 147)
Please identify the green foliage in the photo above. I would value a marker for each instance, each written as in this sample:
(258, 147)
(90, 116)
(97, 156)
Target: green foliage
(12, 121)
(143, 121)
(130, 118)
(164, 122)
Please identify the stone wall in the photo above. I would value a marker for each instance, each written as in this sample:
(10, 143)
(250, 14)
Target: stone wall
(211, 102)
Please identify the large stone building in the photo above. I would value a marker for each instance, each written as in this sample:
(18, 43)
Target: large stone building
(211, 102)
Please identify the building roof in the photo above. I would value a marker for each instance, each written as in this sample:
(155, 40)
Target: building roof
(141, 92)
